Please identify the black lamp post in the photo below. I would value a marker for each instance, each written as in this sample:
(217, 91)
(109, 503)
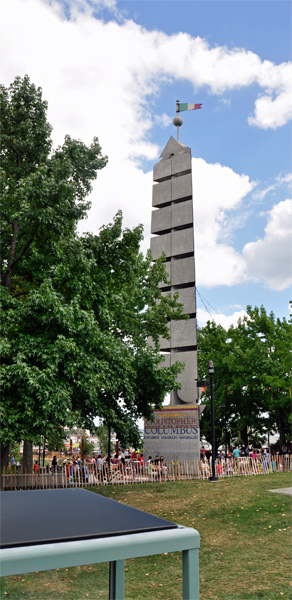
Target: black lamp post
(225, 432)
(211, 373)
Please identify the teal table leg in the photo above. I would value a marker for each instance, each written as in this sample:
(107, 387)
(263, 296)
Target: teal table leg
(116, 580)
(190, 567)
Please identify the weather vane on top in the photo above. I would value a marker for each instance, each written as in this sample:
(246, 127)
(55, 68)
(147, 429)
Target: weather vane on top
(178, 121)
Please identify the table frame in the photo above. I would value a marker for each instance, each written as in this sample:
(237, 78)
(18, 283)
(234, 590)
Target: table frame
(115, 550)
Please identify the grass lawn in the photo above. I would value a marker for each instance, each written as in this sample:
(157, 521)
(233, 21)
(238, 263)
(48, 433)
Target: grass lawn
(245, 545)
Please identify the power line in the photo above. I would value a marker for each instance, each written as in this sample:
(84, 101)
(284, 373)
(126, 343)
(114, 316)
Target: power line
(207, 302)
(214, 309)
(206, 307)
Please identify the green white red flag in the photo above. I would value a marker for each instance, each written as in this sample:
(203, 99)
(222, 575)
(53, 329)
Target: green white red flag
(185, 106)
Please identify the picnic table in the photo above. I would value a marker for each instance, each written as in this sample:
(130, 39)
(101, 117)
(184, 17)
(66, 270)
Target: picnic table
(107, 531)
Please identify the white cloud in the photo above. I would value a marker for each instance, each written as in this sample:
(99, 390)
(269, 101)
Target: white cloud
(270, 258)
(280, 181)
(219, 318)
(216, 191)
(226, 101)
(163, 120)
(98, 78)
(286, 179)
(130, 189)
(275, 108)
(263, 193)
(71, 8)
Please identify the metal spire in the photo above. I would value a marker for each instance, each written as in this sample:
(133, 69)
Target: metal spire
(177, 121)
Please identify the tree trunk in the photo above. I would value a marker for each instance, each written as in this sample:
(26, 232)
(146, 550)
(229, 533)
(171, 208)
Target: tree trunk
(281, 425)
(4, 451)
(243, 435)
(27, 457)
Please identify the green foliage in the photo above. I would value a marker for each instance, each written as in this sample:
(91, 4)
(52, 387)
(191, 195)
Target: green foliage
(43, 193)
(56, 439)
(76, 311)
(88, 447)
(102, 432)
(14, 450)
(252, 375)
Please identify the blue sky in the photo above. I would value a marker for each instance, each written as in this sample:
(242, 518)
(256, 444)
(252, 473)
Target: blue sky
(114, 69)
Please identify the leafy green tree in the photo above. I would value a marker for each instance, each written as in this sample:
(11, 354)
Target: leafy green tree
(14, 450)
(76, 311)
(120, 287)
(43, 192)
(252, 375)
(213, 345)
(276, 338)
(56, 439)
(58, 361)
(102, 431)
(88, 447)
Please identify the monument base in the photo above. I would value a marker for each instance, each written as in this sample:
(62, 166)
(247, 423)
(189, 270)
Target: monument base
(174, 434)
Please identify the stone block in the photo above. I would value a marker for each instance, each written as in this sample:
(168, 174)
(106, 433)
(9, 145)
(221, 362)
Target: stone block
(182, 242)
(166, 362)
(188, 377)
(180, 163)
(164, 346)
(183, 333)
(162, 170)
(173, 216)
(164, 343)
(173, 147)
(161, 219)
(181, 187)
(168, 271)
(176, 243)
(182, 271)
(174, 434)
(182, 213)
(187, 296)
(161, 193)
(159, 244)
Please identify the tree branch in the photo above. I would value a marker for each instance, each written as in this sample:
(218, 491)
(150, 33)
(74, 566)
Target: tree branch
(25, 248)
(7, 220)
(19, 294)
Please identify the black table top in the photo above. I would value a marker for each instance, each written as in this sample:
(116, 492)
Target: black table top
(62, 515)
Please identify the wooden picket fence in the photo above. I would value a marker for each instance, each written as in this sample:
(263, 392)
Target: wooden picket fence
(15, 478)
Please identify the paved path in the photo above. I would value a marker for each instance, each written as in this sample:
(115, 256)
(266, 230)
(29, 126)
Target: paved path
(287, 491)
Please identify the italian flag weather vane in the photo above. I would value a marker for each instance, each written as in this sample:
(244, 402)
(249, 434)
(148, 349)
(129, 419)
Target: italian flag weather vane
(181, 106)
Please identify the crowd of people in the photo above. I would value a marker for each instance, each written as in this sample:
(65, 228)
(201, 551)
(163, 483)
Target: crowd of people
(101, 465)
(243, 460)
(237, 451)
(130, 464)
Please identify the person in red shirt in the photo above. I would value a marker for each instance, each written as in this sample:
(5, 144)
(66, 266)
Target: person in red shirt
(134, 455)
(35, 466)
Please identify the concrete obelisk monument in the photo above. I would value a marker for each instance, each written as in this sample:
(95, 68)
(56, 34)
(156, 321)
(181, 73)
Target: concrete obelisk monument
(175, 433)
